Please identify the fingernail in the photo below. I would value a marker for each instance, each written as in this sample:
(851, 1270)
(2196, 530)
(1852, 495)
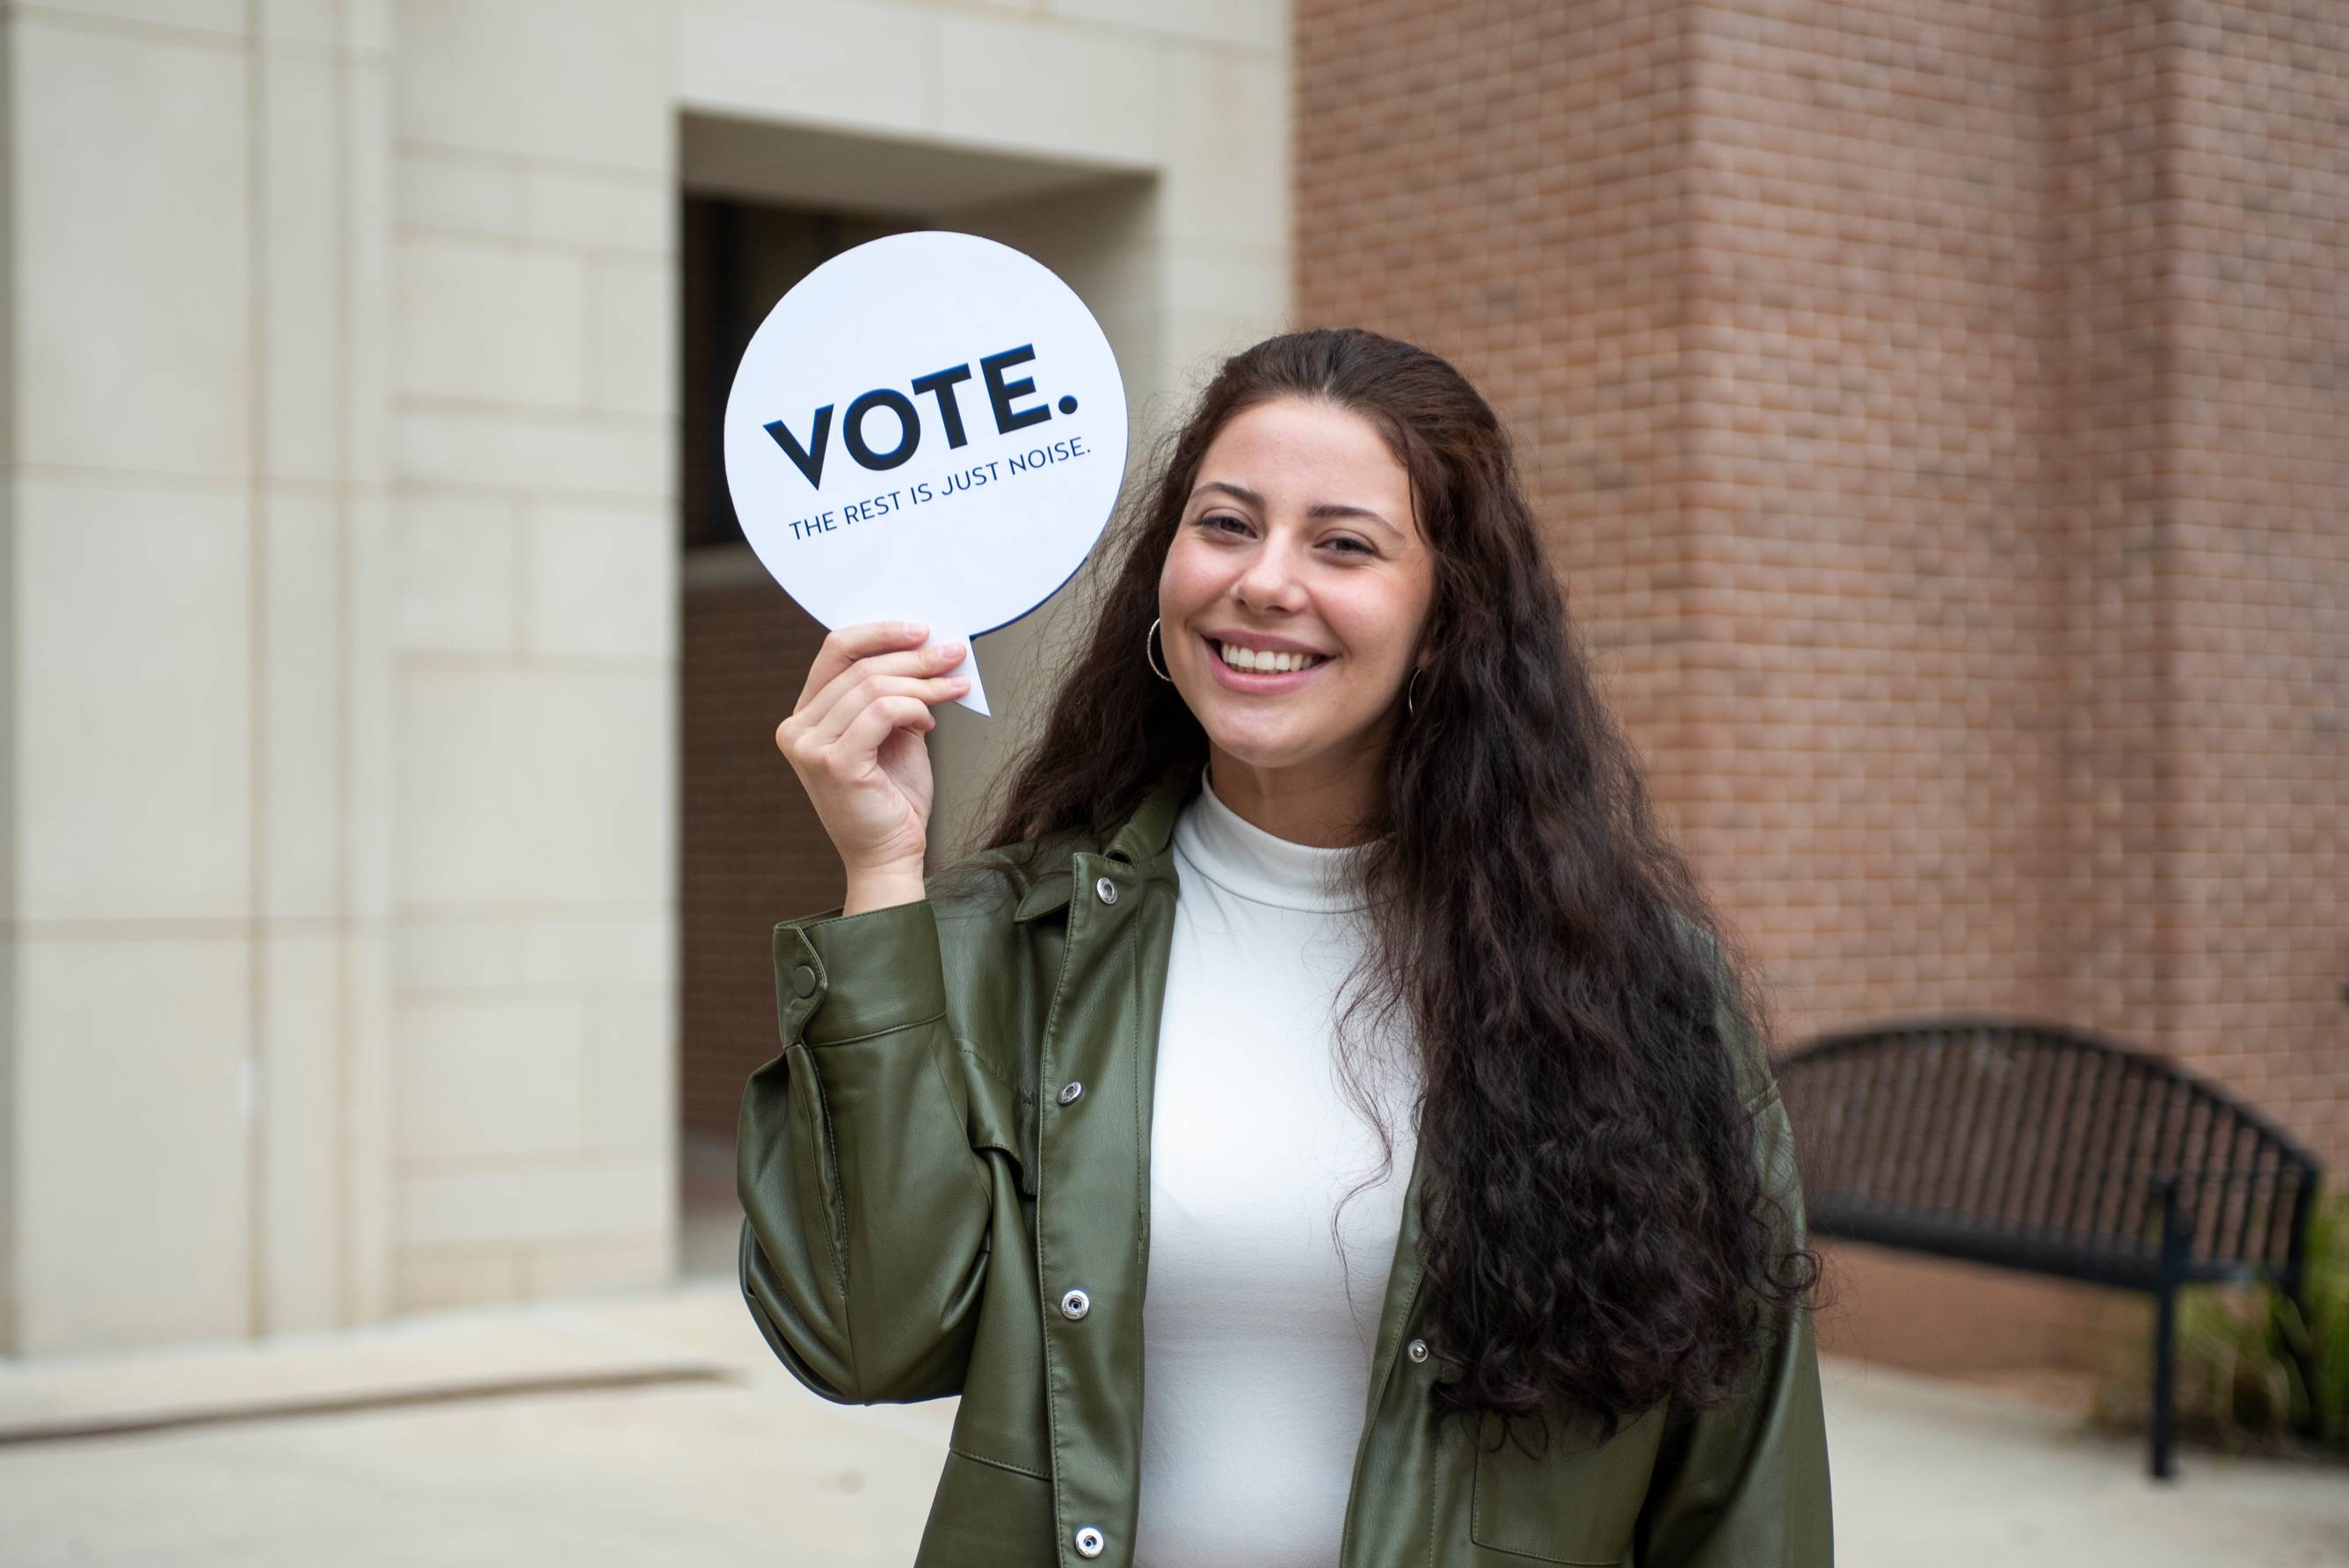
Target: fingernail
(914, 628)
(950, 650)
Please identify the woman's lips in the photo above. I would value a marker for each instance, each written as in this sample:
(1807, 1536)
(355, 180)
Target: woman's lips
(1254, 680)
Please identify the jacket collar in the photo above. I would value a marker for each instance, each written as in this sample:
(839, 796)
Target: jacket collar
(1142, 840)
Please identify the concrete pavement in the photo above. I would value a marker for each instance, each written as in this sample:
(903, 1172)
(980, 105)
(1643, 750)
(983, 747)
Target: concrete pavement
(625, 1430)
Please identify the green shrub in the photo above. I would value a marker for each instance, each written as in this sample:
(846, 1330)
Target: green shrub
(2238, 1383)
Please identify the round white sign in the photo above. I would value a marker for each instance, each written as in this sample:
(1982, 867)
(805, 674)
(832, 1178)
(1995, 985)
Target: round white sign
(929, 426)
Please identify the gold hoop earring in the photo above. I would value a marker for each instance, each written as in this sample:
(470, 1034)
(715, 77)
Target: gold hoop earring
(1149, 656)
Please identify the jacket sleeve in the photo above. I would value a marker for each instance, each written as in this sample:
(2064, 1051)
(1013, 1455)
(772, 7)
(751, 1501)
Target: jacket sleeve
(865, 1210)
(1745, 1485)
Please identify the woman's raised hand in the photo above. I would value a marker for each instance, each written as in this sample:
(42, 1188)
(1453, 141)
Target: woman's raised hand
(856, 741)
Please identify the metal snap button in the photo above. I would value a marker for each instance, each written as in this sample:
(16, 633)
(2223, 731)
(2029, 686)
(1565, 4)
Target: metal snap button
(1075, 1304)
(804, 980)
(1107, 888)
(1417, 1350)
(1070, 1090)
(1090, 1540)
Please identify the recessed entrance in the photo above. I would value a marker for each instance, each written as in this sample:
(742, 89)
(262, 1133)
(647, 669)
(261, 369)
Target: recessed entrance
(762, 207)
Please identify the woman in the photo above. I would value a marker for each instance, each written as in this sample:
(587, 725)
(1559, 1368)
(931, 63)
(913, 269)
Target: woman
(1329, 783)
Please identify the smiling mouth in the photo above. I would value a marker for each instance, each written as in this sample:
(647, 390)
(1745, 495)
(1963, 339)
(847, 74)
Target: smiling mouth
(1250, 661)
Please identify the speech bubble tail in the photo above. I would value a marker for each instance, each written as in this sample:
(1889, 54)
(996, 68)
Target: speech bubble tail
(973, 698)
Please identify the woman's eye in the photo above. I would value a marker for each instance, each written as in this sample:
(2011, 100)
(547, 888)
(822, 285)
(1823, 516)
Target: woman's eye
(1225, 523)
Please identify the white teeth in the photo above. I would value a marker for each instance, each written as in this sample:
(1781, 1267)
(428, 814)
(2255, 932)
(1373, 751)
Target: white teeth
(1241, 658)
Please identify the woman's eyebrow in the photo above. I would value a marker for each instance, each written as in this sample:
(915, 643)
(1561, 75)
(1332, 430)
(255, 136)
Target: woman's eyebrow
(1323, 508)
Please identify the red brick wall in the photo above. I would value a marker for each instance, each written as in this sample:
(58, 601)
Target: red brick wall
(751, 850)
(1941, 442)
(2243, 440)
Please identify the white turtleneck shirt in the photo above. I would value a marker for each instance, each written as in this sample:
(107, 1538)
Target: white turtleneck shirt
(1257, 1339)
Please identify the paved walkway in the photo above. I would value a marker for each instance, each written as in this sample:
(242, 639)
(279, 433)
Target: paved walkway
(627, 1430)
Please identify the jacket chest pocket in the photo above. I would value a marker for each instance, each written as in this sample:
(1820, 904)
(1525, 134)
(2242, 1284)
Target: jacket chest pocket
(1578, 1504)
(999, 1113)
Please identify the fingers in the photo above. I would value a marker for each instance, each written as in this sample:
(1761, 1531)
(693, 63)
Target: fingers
(905, 662)
(810, 736)
(875, 721)
(844, 645)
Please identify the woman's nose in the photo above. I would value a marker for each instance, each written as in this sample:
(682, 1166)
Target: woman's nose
(1270, 581)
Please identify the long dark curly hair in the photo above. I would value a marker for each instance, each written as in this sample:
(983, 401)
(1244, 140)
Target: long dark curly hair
(1593, 1224)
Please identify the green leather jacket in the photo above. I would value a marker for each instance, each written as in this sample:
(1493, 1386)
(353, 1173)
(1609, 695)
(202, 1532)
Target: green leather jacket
(923, 1180)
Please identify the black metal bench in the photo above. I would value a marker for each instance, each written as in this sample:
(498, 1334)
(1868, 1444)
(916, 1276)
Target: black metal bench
(2047, 1149)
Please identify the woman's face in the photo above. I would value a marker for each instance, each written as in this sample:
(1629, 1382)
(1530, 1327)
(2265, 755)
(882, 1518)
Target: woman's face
(1298, 537)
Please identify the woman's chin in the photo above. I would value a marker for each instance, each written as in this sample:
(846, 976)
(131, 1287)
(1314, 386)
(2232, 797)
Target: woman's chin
(1266, 746)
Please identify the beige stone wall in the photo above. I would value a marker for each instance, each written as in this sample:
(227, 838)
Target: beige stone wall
(535, 634)
(197, 484)
(340, 479)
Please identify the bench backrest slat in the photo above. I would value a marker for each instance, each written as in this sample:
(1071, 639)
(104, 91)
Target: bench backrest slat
(2238, 1201)
(2041, 1127)
(2074, 1075)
